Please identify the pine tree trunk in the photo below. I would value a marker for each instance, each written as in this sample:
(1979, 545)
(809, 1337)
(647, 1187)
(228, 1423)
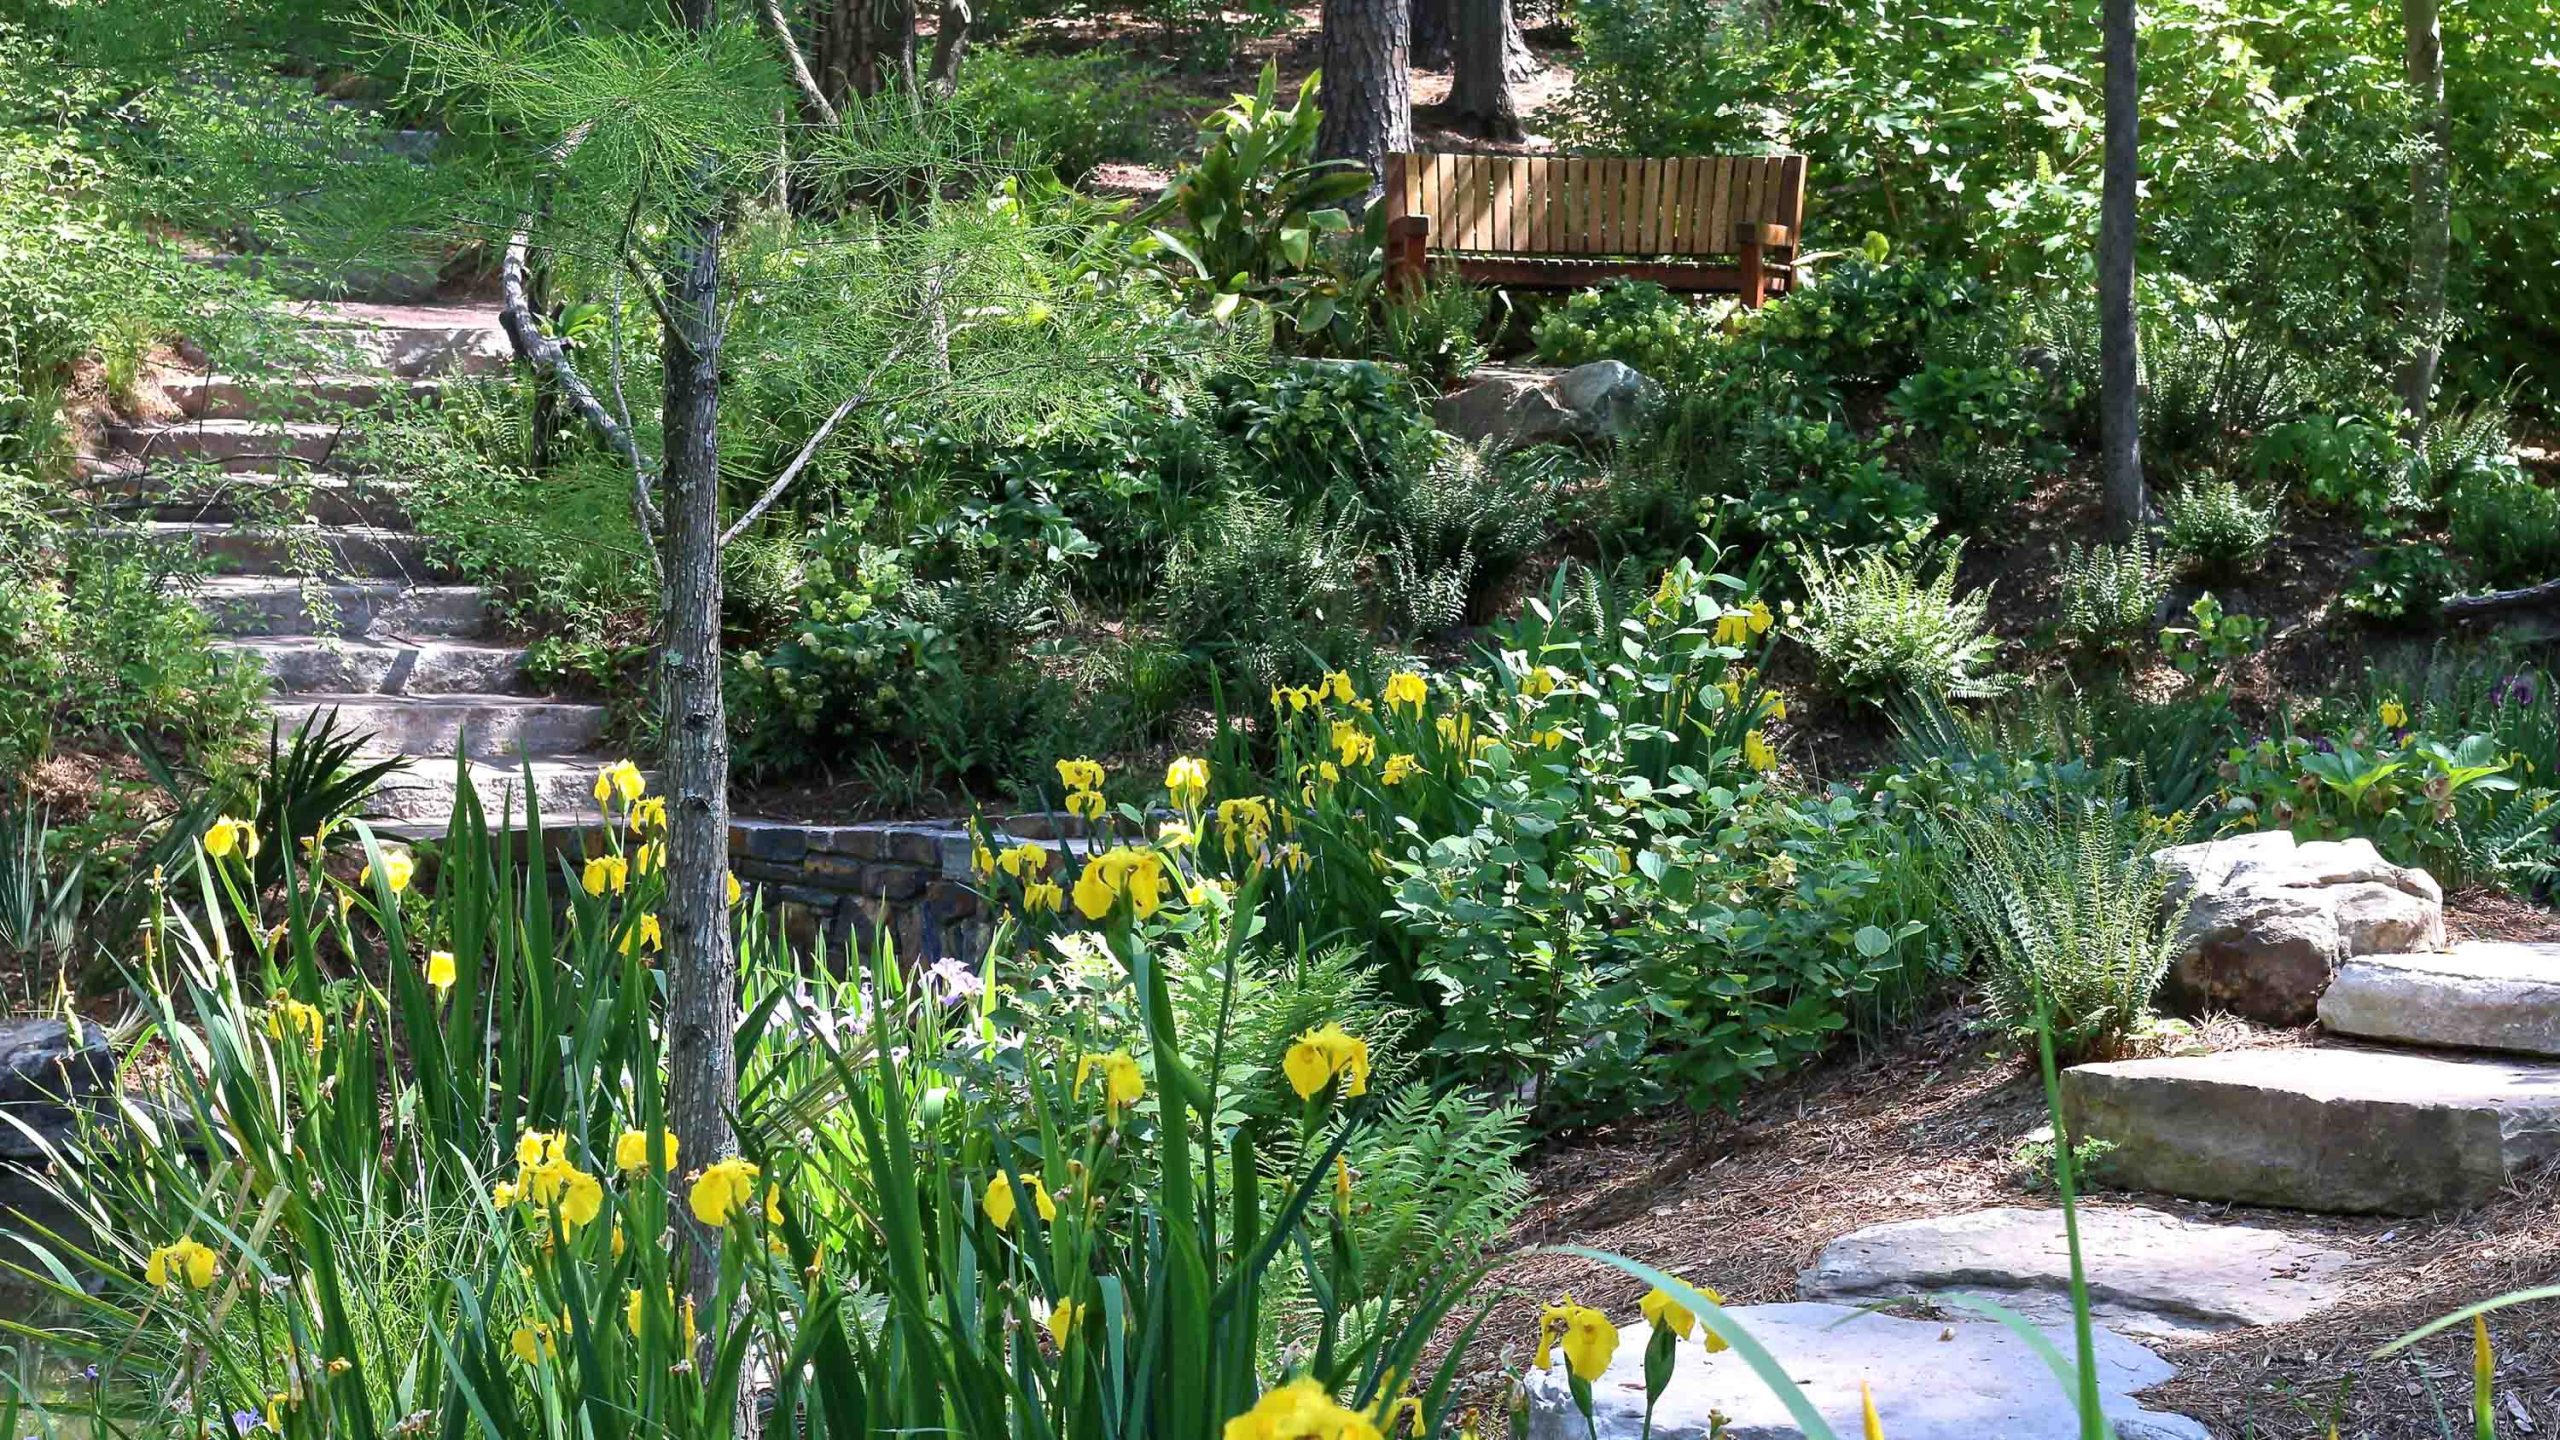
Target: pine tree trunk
(2119, 357)
(1368, 83)
(1430, 28)
(1480, 90)
(702, 970)
(950, 41)
(2430, 205)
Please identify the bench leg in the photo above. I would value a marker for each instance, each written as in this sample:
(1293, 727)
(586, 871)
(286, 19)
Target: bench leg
(1754, 271)
(1408, 253)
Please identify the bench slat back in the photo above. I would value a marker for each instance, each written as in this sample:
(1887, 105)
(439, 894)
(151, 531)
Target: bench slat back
(1595, 204)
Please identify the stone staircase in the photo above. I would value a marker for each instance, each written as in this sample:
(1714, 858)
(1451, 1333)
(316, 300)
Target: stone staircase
(320, 575)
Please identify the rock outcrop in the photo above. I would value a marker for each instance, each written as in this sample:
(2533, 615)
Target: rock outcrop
(1511, 407)
(2269, 920)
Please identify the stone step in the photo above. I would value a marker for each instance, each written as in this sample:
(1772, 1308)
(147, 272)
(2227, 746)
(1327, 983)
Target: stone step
(381, 609)
(2481, 995)
(2147, 1272)
(2332, 1128)
(416, 340)
(1931, 1380)
(459, 723)
(370, 667)
(227, 444)
(354, 552)
(419, 801)
(255, 498)
(229, 397)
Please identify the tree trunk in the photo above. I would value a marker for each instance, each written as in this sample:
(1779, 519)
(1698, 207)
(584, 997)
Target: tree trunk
(1429, 26)
(2119, 357)
(2430, 205)
(1480, 89)
(950, 39)
(1368, 83)
(702, 970)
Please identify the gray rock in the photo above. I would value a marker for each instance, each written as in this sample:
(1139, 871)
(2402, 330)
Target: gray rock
(2480, 996)
(2333, 1128)
(1970, 1380)
(46, 1074)
(2268, 920)
(1511, 407)
(2148, 1273)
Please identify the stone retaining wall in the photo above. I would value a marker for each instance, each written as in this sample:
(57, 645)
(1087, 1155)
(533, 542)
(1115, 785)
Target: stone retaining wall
(844, 887)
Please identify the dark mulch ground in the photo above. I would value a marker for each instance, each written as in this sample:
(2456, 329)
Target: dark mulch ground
(1932, 1125)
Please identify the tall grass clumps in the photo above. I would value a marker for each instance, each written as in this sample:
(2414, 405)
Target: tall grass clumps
(393, 1160)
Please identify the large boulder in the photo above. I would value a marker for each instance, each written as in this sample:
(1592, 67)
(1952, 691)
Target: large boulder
(2270, 919)
(48, 1071)
(1932, 1380)
(1511, 407)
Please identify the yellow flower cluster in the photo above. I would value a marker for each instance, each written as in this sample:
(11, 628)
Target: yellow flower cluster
(185, 1261)
(1123, 1084)
(1083, 779)
(1321, 1056)
(1740, 627)
(1001, 1207)
(1664, 1313)
(1589, 1339)
(1407, 690)
(1400, 767)
(1122, 870)
(1335, 686)
(606, 873)
(1064, 1317)
(1023, 861)
(644, 934)
(1757, 752)
(632, 1150)
(2393, 715)
(1540, 680)
(1244, 824)
(1186, 780)
(1355, 745)
(229, 834)
(440, 971)
(397, 871)
(726, 1190)
(291, 1019)
(1301, 1410)
(551, 1182)
(622, 783)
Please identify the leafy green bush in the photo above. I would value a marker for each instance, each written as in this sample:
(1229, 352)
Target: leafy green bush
(1260, 595)
(1975, 390)
(1633, 321)
(2111, 597)
(1881, 629)
(1863, 318)
(2342, 462)
(1458, 524)
(2214, 529)
(1316, 428)
(2405, 584)
(2454, 804)
(1074, 111)
(2056, 890)
(1972, 486)
(2506, 523)
(1437, 332)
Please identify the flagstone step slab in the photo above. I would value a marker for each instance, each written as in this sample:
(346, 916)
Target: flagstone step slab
(2481, 995)
(1932, 1380)
(418, 340)
(230, 397)
(373, 667)
(455, 724)
(353, 552)
(248, 605)
(2328, 1128)
(418, 802)
(254, 498)
(2148, 1272)
(229, 444)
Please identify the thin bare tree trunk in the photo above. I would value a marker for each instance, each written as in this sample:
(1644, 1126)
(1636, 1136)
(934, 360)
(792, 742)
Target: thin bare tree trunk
(2430, 205)
(1480, 89)
(950, 40)
(2119, 340)
(702, 969)
(1368, 82)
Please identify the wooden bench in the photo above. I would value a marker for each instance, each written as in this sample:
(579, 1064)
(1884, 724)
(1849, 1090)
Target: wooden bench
(1713, 222)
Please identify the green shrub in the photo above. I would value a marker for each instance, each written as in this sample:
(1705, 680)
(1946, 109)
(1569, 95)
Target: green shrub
(1437, 332)
(2055, 889)
(1458, 524)
(2506, 523)
(2214, 529)
(1632, 321)
(2404, 584)
(1880, 629)
(2339, 462)
(1864, 318)
(1972, 486)
(1074, 111)
(1261, 596)
(1975, 390)
(1317, 429)
(2111, 598)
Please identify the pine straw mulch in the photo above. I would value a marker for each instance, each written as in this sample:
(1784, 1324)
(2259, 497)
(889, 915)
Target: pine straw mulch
(1932, 1125)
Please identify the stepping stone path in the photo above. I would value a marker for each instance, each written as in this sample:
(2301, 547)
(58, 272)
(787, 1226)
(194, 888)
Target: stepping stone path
(2481, 995)
(2148, 1272)
(1932, 1380)
(379, 634)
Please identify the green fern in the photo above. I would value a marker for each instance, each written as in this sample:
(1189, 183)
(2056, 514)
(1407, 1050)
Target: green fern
(1881, 630)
